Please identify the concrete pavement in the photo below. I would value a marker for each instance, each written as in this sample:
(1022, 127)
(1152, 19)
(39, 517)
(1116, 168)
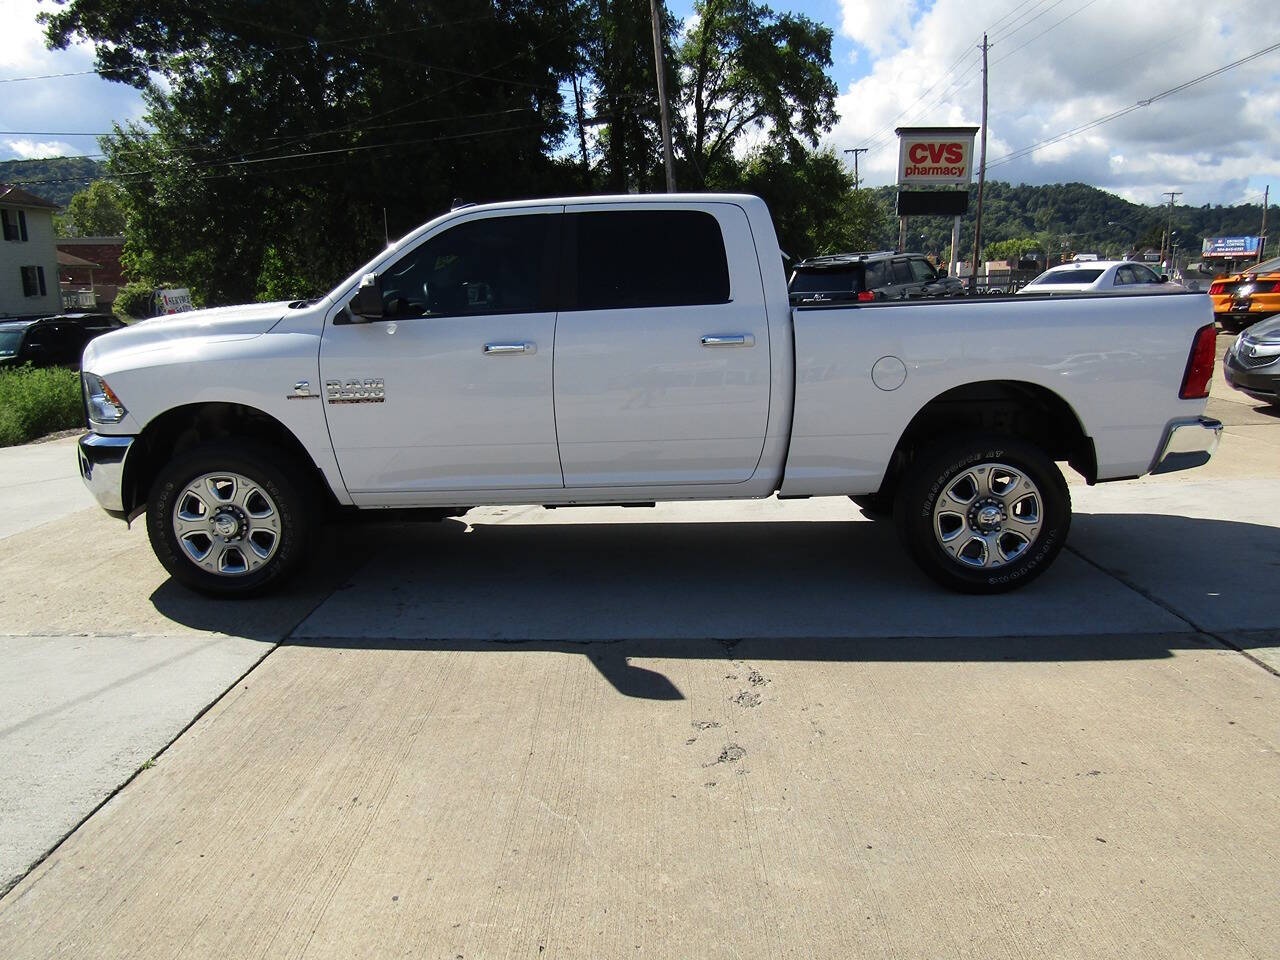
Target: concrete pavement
(749, 730)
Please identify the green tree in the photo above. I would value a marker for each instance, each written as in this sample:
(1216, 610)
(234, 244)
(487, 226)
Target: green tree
(100, 210)
(744, 67)
(294, 129)
(815, 208)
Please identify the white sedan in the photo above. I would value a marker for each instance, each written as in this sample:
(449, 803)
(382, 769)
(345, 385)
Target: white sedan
(1102, 276)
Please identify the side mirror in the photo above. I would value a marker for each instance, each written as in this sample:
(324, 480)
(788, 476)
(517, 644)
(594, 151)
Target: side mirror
(366, 305)
(1164, 278)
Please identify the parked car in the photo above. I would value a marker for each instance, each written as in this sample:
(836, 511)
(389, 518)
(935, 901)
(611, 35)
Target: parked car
(51, 341)
(864, 277)
(628, 350)
(1102, 276)
(1248, 296)
(1252, 363)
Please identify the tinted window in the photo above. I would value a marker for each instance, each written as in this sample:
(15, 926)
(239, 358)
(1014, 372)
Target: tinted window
(648, 258)
(922, 271)
(845, 279)
(1067, 276)
(878, 274)
(1143, 274)
(901, 272)
(10, 340)
(493, 265)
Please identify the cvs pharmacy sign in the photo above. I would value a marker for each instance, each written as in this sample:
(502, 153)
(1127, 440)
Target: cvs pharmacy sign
(935, 155)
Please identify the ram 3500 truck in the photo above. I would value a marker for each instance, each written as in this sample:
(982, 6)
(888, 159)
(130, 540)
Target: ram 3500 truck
(628, 350)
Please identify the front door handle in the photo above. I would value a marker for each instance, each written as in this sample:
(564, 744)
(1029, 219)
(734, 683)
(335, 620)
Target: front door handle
(729, 340)
(501, 349)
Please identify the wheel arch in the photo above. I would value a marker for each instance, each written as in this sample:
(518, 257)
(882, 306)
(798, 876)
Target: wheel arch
(1015, 408)
(186, 426)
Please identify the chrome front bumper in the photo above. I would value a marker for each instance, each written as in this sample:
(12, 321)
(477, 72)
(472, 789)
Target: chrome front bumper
(1187, 443)
(102, 469)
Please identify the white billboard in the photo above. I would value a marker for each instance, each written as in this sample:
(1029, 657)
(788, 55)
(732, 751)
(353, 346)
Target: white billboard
(935, 156)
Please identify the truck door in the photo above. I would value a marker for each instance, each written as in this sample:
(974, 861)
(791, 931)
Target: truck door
(452, 390)
(662, 346)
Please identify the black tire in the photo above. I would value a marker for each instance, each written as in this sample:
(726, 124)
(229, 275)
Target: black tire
(291, 497)
(940, 470)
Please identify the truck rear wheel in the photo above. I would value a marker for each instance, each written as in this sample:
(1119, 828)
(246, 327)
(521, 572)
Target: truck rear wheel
(983, 514)
(230, 519)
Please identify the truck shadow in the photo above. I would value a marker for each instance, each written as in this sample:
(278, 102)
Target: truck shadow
(838, 591)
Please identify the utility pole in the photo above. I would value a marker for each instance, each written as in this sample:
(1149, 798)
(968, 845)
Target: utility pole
(1262, 234)
(659, 69)
(1167, 241)
(855, 151)
(982, 174)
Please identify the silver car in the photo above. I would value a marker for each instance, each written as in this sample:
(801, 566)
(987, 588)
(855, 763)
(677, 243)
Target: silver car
(1102, 276)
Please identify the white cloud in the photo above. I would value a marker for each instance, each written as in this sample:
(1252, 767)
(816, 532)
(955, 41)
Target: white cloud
(38, 116)
(1208, 140)
(37, 149)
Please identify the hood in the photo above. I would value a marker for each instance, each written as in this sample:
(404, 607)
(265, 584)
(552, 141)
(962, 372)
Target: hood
(218, 323)
(1268, 331)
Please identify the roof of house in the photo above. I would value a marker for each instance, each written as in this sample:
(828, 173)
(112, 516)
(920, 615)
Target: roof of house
(20, 198)
(71, 260)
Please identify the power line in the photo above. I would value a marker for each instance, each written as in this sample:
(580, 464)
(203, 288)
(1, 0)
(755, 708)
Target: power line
(1058, 23)
(1115, 115)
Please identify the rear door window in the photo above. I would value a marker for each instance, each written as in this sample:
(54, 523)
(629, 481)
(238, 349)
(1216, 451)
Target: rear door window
(645, 258)
(878, 275)
(922, 271)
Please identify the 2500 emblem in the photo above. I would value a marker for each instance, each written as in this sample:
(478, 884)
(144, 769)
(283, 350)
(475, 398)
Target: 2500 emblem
(354, 391)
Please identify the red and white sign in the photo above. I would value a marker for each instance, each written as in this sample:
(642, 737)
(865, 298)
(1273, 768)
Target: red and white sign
(935, 156)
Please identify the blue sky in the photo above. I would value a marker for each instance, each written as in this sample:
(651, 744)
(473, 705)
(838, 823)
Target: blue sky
(1056, 66)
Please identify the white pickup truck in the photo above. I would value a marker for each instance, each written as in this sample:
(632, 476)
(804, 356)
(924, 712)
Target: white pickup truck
(629, 350)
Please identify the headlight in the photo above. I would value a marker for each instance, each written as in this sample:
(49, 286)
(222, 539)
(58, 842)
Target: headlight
(100, 400)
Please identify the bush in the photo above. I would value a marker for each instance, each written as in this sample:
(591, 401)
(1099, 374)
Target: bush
(34, 402)
(133, 300)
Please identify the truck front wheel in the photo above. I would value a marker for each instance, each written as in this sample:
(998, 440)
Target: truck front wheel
(983, 514)
(229, 518)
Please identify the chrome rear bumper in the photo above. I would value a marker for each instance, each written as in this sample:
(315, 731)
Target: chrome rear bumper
(1187, 443)
(102, 469)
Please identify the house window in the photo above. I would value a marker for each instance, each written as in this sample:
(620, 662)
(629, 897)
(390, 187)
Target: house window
(33, 281)
(14, 223)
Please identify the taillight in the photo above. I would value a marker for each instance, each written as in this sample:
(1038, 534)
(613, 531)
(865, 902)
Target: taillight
(1204, 351)
(1217, 289)
(1264, 287)
(866, 295)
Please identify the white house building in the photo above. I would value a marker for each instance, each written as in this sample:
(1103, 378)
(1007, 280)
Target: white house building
(28, 257)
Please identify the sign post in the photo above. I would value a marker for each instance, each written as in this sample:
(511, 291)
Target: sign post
(935, 168)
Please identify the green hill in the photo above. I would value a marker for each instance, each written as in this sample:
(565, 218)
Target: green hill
(1075, 217)
(55, 179)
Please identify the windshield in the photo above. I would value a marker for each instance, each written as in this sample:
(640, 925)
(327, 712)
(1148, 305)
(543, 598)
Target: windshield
(1067, 276)
(10, 340)
(842, 280)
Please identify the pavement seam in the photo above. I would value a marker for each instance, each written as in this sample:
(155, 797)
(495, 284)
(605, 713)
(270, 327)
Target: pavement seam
(1204, 631)
(6, 889)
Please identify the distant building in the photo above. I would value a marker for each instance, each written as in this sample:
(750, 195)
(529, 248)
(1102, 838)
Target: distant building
(104, 254)
(28, 258)
(75, 281)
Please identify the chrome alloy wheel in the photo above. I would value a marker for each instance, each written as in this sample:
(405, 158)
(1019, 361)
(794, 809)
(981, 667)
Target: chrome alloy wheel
(226, 524)
(988, 516)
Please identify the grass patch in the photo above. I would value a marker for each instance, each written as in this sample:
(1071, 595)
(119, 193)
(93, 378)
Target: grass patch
(34, 402)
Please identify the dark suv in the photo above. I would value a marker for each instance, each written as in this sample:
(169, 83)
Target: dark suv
(51, 341)
(882, 275)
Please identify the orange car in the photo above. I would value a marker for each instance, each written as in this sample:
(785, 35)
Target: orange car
(1244, 298)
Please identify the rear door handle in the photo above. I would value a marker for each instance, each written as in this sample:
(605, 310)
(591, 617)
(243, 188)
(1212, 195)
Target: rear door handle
(729, 340)
(500, 349)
